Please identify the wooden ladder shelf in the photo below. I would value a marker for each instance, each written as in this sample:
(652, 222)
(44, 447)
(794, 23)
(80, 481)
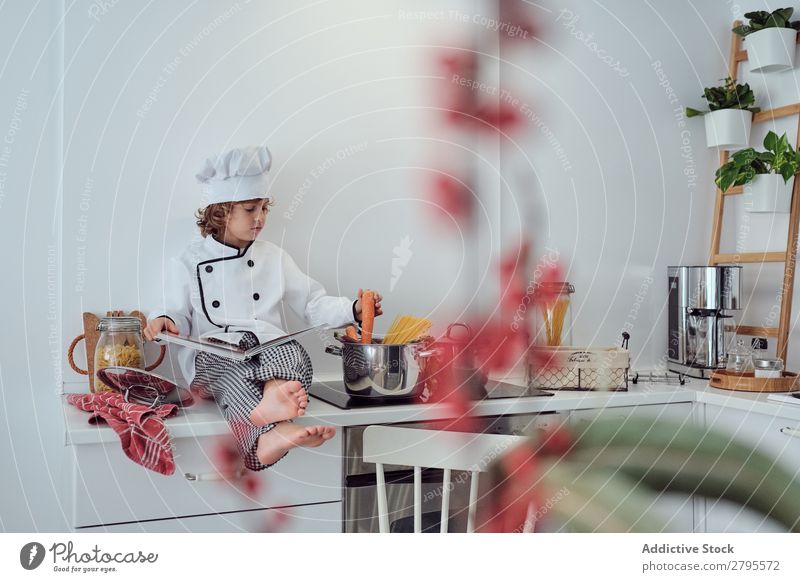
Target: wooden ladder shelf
(788, 257)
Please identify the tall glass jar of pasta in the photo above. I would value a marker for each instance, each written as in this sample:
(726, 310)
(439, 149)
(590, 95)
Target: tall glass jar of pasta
(553, 319)
(120, 344)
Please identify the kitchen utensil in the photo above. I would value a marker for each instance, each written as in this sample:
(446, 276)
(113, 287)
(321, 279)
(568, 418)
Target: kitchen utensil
(458, 349)
(747, 382)
(698, 304)
(144, 387)
(90, 337)
(573, 368)
(768, 367)
(120, 344)
(654, 377)
(553, 319)
(577, 368)
(740, 359)
(383, 370)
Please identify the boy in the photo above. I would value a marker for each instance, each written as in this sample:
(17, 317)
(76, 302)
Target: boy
(231, 286)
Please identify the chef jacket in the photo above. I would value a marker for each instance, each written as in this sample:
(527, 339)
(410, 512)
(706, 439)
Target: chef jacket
(213, 289)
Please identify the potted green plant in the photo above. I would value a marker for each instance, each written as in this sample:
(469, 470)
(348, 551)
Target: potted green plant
(731, 114)
(771, 39)
(766, 176)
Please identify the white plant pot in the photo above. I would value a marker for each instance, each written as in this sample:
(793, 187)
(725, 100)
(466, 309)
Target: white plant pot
(728, 128)
(768, 193)
(771, 50)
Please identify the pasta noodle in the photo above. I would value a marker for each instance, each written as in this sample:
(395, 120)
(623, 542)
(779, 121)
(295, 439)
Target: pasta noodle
(107, 355)
(405, 329)
(554, 315)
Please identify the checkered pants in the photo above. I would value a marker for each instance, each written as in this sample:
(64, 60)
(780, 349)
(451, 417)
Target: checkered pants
(238, 387)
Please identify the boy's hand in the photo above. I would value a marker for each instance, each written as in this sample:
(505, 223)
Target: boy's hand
(157, 325)
(378, 298)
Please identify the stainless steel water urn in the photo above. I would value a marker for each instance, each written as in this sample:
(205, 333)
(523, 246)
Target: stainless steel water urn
(698, 305)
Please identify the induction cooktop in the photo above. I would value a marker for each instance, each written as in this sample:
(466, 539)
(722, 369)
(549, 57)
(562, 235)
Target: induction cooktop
(334, 393)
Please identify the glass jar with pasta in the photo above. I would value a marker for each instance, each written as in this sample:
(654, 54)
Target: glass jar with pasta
(553, 319)
(120, 344)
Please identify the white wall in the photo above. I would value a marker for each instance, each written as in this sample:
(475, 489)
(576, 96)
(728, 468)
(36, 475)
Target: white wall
(32, 442)
(338, 91)
(611, 180)
(312, 81)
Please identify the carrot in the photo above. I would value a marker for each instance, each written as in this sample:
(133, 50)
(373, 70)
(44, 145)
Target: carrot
(367, 316)
(351, 332)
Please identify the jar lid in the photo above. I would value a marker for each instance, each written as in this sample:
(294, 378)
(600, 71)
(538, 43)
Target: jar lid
(120, 324)
(768, 363)
(555, 287)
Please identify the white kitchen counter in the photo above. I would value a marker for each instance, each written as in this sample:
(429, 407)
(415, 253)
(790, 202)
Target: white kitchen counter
(745, 401)
(204, 419)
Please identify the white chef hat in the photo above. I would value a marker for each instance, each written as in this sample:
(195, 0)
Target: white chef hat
(236, 175)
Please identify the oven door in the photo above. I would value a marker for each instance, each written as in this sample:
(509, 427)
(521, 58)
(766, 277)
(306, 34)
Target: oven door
(360, 497)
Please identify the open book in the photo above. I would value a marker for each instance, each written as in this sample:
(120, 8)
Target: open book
(226, 350)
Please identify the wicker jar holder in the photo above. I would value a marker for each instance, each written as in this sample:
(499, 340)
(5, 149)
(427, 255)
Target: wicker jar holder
(579, 368)
(91, 336)
(747, 382)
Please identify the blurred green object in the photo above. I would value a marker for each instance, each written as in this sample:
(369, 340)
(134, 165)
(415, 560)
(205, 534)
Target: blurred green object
(606, 475)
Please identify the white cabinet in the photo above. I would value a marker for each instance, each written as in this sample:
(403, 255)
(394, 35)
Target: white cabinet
(304, 491)
(763, 432)
(678, 510)
(108, 488)
(318, 518)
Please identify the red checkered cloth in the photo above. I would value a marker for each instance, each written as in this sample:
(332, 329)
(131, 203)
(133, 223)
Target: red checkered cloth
(140, 428)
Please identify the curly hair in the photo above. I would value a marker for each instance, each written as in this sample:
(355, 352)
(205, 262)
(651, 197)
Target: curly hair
(213, 218)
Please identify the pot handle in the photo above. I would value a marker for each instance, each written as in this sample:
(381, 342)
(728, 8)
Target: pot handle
(453, 325)
(429, 353)
(333, 350)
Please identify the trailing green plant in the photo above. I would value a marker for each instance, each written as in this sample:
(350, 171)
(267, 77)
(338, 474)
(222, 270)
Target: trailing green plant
(744, 165)
(731, 95)
(761, 19)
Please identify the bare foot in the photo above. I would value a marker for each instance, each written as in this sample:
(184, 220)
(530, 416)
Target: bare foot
(282, 400)
(285, 436)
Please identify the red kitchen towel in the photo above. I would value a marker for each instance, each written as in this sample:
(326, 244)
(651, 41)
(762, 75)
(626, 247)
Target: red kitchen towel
(140, 428)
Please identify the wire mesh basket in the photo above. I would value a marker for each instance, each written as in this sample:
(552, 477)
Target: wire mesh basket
(579, 368)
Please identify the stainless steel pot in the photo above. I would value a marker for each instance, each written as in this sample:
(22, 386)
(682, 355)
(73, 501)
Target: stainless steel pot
(456, 347)
(383, 371)
(458, 350)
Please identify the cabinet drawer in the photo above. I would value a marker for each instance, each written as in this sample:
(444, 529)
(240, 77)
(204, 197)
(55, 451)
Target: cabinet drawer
(764, 433)
(318, 518)
(677, 510)
(110, 488)
(679, 412)
(761, 431)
